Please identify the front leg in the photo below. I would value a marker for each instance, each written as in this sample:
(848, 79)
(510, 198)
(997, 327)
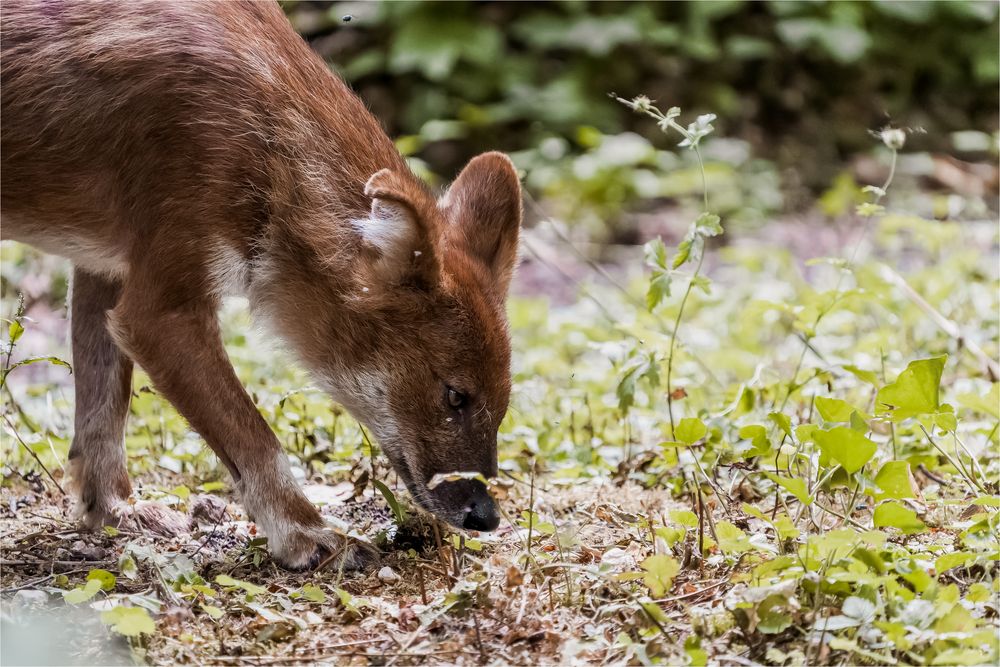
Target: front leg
(178, 343)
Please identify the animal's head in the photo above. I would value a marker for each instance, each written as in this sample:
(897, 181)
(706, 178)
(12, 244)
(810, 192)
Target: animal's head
(432, 373)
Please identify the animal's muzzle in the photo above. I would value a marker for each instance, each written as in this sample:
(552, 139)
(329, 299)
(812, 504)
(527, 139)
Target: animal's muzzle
(483, 513)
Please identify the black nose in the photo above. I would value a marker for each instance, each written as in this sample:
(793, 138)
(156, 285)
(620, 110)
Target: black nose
(482, 515)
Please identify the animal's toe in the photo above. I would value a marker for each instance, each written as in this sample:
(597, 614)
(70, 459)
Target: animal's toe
(156, 518)
(345, 553)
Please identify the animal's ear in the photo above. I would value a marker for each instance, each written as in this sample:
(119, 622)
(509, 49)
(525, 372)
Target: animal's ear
(484, 208)
(398, 230)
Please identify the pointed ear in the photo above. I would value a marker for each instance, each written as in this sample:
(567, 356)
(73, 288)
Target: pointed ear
(397, 231)
(484, 208)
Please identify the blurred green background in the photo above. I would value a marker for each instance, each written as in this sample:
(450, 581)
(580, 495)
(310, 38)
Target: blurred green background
(798, 84)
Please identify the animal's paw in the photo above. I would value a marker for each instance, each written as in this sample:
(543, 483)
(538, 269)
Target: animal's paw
(311, 548)
(150, 517)
(140, 517)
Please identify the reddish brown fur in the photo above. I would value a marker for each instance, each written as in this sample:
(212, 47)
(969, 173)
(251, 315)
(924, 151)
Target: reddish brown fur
(173, 149)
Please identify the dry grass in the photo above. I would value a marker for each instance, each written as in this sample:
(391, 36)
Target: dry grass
(568, 598)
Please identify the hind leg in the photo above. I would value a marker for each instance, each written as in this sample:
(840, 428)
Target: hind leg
(103, 375)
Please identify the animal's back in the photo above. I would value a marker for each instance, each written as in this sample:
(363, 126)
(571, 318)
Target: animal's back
(117, 115)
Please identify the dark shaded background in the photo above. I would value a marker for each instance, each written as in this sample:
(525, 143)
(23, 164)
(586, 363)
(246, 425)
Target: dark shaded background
(802, 82)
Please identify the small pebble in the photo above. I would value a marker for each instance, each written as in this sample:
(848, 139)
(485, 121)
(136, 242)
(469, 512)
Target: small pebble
(388, 575)
(31, 598)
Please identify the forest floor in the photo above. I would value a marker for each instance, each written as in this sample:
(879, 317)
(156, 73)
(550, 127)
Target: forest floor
(814, 481)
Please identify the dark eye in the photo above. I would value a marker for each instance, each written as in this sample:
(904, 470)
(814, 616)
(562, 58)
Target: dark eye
(456, 399)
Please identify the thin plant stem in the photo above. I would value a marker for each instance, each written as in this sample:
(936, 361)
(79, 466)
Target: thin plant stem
(958, 466)
(673, 339)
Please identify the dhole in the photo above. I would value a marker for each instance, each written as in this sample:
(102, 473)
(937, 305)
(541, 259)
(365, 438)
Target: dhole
(178, 152)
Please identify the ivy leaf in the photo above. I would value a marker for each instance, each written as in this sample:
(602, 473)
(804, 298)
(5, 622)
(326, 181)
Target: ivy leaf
(859, 609)
(690, 430)
(251, 589)
(81, 594)
(863, 375)
(915, 391)
(129, 621)
(660, 572)
(773, 618)
(656, 254)
(846, 446)
(783, 422)
(834, 409)
(987, 405)
(757, 435)
(794, 485)
(896, 481)
(213, 612)
(948, 561)
(313, 593)
(893, 515)
(106, 579)
(683, 252)
(732, 539)
(659, 289)
(708, 224)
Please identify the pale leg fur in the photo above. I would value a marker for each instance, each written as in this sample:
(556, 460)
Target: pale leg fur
(180, 347)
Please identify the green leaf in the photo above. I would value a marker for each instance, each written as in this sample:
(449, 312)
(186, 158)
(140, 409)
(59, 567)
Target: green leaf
(732, 539)
(834, 409)
(773, 618)
(794, 485)
(106, 579)
(708, 224)
(690, 430)
(987, 405)
(961, 656)
(896, 481)
(757, 435)
(14, 331)
(56, 361)
(129, 621)
(783, 422)
(83, 593)
(312, 593)
(697, 656)
(229, 582)
(390, 497)
(915, 391)
(683, 253)
(952, 560)
(684, 518)
(846, 446)
(213, 612)
(660, 572)
(211, 487)
(863, 375)
(659, 289)
(893, 515)
(656, 254)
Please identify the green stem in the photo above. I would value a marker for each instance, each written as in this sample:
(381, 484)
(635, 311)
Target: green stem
(673, 338)
(960, 468)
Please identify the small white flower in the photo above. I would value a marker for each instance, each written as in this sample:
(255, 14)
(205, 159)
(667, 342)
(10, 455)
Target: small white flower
(893, 137)
(642, 103)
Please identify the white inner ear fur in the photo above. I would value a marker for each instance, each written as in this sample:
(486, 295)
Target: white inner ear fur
(392, 230)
